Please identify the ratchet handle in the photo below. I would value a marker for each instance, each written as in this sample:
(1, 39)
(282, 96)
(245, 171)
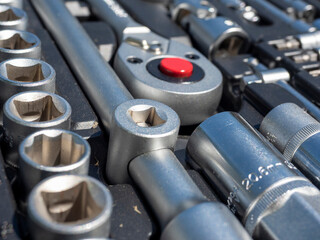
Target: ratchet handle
(111, 12)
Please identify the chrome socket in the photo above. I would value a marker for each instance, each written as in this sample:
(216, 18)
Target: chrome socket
(23, 74)
(217, 37)
(19, 44)
(28, 112)
(51, 152)
(140, 126)
(254, 180)
(13, 3)
(69, 207)
(12, 18)
(297, 136)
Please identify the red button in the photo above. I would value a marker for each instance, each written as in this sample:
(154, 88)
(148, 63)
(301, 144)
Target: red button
(176, 67)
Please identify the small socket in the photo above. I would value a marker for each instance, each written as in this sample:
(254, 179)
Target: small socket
(12, 18)
(28, 112)
(19, 44)
(51, 152)
(12, 3)
(69, 207)
(23, 74)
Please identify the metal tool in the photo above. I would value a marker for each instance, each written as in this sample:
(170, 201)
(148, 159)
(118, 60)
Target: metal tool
(297, 9)
(156, 68)
(19, 44)
(28, 112)
(262, 74)
(102, 86)
(12, 18)
(69, 207)
(13, 3)
(299, 25)
(279, 76)
(253, 178)
(138, 115)
(296, 134)
(25, 74)
(213, 35)
(300, 41)
(247, 12)
(50, 152)
(149, 130)
(183, 212)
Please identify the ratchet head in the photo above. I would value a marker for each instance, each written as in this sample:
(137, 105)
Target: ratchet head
(172, 73)
(139, 126)
(190, 84)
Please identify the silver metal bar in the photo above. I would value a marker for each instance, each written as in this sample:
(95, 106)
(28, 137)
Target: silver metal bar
(98, 80)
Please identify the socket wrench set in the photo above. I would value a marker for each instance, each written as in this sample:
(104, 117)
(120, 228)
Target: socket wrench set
(160, 119)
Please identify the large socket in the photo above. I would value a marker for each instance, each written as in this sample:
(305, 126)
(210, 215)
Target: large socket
(28, 112)
(254, 179)
(296, 135)
(25, 74)
(50, 152)
(12, 18)
(19, 44)
(69, 207)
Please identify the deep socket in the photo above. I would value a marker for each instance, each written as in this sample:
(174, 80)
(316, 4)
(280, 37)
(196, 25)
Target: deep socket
(69, 207)
(50, 152)
(24, 74)
(19, 44)
(12, 18)
(297, 136)
(254, 179)
(28, 112)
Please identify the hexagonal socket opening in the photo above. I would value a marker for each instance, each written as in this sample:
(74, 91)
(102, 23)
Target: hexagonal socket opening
(8, 15)
(15, 42)
(230, 47)
(145, 116)
(40, 110)
(73, 205)
(55, 151)
(25, 74)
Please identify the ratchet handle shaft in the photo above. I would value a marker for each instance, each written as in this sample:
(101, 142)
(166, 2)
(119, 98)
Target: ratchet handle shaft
(111, 12)
(102, 86)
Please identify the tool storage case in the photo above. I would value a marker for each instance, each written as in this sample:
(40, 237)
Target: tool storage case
(133, 216)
